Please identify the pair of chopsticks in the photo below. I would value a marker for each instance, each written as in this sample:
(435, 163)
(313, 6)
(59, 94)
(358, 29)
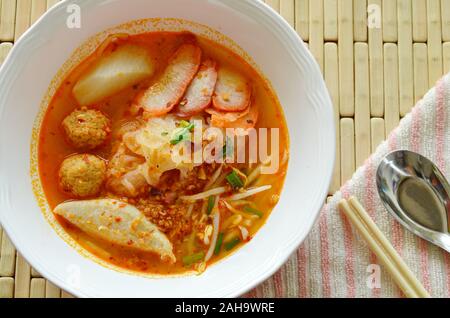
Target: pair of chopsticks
(381, 247)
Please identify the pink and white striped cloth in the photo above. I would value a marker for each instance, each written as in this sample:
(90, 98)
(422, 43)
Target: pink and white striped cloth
(334, 261)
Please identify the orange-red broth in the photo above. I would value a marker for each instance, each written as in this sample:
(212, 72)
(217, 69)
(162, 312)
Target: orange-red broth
(53, 148)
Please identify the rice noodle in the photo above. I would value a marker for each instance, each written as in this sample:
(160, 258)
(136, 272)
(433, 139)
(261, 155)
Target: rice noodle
(215, 234)
(232, 221)
(127, 184)
(244, 233)
(207, 233)
(214, 177)
(232, 234)
(203, 195)
(204, 207)
(256, 172)
(249, 192)
(236, 211)
(189, 210)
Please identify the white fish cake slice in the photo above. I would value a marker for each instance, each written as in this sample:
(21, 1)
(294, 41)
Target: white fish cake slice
(168, 90)
(232, 92)
(126, 66)
(199, 93)
(117, 222)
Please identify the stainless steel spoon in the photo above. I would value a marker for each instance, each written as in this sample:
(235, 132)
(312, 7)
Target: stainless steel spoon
(417, 194)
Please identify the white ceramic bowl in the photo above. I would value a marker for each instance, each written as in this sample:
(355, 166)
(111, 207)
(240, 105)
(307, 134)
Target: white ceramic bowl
(282, 58)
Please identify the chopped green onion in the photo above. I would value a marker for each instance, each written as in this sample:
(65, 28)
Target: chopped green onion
(231, 244)
(182, 133)
(177, 139)
(251, 210)
(210, 205)
(194, 258)
(218, 244)
(234, 180)
(164, 133)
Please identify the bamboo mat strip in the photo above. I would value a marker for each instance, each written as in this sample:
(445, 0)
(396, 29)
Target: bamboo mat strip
(360, 20)
(434, 41)
(446, 55)
(37, 288)
(377, 132)
(23, 11)
(419, 16)
(405, 54)
(374, 75)
(51, 290)
(22, 278)
(35, 273)
(38, 7)
(302, 18)
(287, 11)
(390, 20)
(7, 19)
(275, 4)
(376, 67)
(65, 294)
(445, 16)
(5, 47)
(330, 26)
(316, 31)
(6, 287)
(347, 149)
(331, 74)
(420, 70)
(51, 3)
(391, 97)
(362, 112)
(345, 49)
(8, 256)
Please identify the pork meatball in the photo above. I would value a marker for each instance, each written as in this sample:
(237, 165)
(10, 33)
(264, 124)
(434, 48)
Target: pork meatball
(86, 128)
(82, 175)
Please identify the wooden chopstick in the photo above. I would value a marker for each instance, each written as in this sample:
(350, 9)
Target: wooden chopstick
(387, 255)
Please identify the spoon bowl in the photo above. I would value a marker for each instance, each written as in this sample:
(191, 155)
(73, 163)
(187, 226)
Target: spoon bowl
(417, 194)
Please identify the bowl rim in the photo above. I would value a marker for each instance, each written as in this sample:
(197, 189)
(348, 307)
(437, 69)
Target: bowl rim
(297, 46)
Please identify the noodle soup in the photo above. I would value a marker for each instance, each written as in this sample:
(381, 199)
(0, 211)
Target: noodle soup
(108, 146)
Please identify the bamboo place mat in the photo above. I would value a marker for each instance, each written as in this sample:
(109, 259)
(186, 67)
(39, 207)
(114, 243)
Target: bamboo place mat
(378, 58)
